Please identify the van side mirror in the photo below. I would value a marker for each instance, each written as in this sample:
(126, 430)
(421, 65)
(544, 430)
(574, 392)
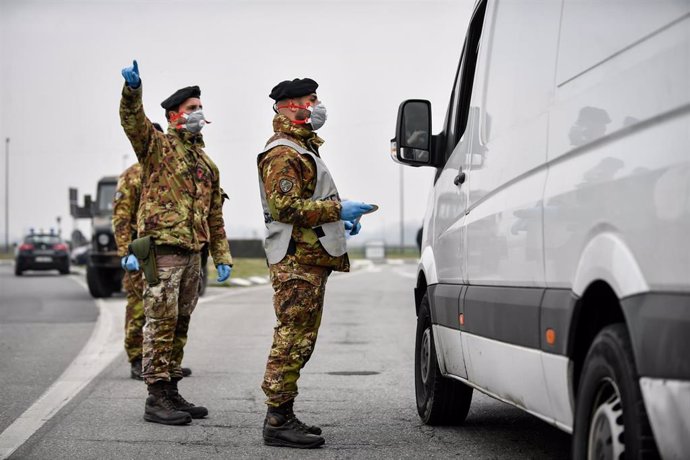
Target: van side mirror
(412, 144)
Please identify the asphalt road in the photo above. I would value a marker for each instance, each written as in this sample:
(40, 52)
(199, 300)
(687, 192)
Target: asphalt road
(358, 386)
(45, 319)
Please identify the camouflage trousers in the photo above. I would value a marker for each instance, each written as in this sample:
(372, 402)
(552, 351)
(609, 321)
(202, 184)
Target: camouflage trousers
(134, 314)
(298, 304)
(168, 307)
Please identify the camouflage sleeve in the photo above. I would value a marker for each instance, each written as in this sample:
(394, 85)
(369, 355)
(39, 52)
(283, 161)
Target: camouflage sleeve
(218, 246)
(281, 171)
(138, 128)
(125, 205)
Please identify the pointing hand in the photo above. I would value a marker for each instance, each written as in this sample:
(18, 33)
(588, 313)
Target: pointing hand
(131, 75)
(351, 210)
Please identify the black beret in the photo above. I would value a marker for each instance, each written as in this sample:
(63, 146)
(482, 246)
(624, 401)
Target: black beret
(291, 89)
(179, 96)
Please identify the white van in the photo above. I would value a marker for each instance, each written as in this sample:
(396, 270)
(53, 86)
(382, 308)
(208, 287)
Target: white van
(555, 267)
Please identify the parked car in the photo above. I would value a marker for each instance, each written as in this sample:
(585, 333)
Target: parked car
(555, 264)
(40, 251)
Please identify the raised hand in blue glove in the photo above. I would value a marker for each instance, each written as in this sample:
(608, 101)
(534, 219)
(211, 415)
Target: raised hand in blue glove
(353, 228)
(224, 271)
(351, 210)
(131, 75)
(130, 263)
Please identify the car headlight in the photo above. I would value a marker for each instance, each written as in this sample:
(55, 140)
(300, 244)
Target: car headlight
(103, 239)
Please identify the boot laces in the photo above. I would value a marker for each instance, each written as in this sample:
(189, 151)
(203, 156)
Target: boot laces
(165, 401)
(178, 399)
(300, 424)
(292, 419)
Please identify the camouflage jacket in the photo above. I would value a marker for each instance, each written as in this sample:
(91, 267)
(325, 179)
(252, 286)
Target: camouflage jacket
(292, 205)
(181, 199)
(125, 206)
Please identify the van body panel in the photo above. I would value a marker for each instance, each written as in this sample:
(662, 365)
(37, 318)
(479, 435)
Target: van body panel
(449, 343)
(504, 235)
(427, 265)
(667, 403)
(448, 214)
(606, 257)
(659, 325)
(514, 84)
(557, 381)
(588, 38)
(618, 151)
(637, 188)
(502, 369)
(508, 314)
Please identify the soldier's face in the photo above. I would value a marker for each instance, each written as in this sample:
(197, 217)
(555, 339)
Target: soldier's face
(305, 101)
(187, 107)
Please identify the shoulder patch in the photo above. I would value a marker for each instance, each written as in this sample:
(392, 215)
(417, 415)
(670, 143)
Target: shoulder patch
(118, 195)
(285, 185)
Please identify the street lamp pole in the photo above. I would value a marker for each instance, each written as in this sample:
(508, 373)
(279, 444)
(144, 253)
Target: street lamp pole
(7, 194)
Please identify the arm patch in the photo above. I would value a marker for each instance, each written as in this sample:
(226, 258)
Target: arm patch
(285, 185)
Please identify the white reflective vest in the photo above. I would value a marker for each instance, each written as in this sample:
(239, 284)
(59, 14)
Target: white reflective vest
(278, 234)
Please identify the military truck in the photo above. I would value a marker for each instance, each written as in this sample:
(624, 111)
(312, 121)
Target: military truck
(103, 270)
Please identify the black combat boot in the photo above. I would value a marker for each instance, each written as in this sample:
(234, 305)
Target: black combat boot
(159, 409)
(182, 404)
(186, 372)
(135, 371)
(281, 428)
(288, 407)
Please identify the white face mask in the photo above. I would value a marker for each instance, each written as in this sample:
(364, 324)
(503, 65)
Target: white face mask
(195, 121)
(318, 116)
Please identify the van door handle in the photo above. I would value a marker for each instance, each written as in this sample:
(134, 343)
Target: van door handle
(459, 179)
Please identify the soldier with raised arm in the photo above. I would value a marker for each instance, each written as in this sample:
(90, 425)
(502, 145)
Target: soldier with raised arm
(180, 212)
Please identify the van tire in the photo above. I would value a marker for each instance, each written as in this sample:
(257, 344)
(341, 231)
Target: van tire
(440, 400)
(609, 395)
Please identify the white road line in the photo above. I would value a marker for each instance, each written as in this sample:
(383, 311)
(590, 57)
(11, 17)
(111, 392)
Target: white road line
(100, 350)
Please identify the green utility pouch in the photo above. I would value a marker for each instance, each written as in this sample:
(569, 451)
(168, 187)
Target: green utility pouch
(144, 250)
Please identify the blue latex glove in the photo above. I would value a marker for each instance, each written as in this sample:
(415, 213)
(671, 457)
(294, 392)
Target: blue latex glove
(351, 210)
(130, 263)
(224, 271)
(353, 228)
(131, 75)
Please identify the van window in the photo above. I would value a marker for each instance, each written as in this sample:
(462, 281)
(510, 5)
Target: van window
(462, 90)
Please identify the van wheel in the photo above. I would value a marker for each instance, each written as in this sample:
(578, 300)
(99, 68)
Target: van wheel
(440, 400)
(610, 417)
(18, 271)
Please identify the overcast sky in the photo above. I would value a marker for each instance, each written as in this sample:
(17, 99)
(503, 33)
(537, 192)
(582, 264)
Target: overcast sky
(60, 86)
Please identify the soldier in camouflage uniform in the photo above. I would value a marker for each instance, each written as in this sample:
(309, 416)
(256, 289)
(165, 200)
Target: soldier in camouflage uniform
(306, 222)
(125, 206)
(181, 209)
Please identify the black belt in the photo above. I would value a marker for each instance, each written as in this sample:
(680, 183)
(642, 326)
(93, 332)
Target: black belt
(169, 250)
